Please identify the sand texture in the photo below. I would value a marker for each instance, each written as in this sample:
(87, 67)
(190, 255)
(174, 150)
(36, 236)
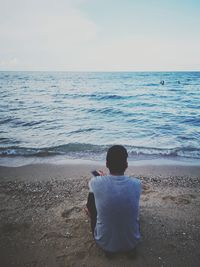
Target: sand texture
(42, 221)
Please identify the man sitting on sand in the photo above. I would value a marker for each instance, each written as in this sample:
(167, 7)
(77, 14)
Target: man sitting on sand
(113, 205)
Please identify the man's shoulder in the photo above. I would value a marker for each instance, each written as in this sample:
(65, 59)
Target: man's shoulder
(107, 178)
(98, 179)
(97, 182)
(136, 182)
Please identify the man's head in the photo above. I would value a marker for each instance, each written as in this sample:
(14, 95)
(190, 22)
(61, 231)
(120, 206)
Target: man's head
(116, 160)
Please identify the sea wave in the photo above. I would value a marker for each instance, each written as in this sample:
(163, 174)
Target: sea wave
(96, 96)
(78, 150)
(42, 114)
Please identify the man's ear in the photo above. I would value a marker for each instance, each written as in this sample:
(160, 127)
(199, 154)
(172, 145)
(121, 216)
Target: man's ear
(126, 164)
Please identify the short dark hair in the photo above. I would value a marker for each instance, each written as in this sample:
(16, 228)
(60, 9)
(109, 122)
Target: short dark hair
(117, 159)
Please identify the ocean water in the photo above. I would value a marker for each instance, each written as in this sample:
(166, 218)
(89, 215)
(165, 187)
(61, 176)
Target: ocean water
(78, 115)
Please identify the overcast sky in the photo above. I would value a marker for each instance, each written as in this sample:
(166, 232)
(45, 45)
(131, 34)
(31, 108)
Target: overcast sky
(100, 35)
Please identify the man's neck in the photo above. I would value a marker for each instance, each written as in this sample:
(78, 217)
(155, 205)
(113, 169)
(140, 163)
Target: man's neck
(117, 174)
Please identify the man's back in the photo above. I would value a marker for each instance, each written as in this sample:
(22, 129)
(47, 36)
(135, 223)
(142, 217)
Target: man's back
(117, 204)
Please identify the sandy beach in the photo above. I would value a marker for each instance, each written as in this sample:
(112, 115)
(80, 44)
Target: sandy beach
(42, 221)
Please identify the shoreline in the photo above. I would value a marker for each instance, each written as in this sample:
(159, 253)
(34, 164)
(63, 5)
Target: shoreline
(46, 171)
(19, 161)
(42, 222)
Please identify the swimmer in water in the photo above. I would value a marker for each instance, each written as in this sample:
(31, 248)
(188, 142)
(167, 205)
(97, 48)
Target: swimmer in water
(162, 82)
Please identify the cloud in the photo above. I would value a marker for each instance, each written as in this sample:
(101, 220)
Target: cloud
(10, 63)
(139, 53)
(59, 35)
(44, 33)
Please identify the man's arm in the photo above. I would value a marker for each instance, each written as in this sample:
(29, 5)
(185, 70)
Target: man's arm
(91, 210)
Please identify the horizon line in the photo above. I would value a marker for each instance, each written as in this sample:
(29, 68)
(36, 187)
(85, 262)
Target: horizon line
(100, 70)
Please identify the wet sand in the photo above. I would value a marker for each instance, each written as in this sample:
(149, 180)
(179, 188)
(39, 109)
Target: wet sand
(42, 222)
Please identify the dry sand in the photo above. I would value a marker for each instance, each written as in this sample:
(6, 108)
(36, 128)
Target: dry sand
(42, 222)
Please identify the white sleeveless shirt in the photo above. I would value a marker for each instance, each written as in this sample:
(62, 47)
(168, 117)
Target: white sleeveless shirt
(117, 204)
